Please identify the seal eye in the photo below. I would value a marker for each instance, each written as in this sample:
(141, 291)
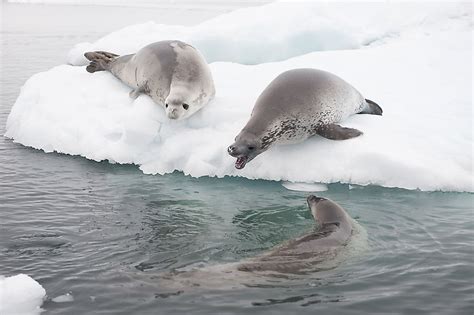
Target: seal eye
(185, 106)
(166, 105)
(251, 148)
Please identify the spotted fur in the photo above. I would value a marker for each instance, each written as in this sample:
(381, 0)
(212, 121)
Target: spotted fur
(299, 104)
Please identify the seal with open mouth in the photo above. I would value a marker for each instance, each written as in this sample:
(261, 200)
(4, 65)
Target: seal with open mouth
(296, 105)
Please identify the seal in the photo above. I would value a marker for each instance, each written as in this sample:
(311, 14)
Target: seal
(174, 74)
(321, 249)
(304, 254)
(296, 105)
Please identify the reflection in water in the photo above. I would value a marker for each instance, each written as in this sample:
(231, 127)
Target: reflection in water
(294, 299)
(168, 228)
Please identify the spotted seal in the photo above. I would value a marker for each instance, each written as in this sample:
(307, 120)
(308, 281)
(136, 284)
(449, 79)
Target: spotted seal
(296, 105)
(174, 74)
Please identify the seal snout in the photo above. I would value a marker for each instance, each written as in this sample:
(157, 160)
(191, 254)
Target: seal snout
(238, 153)
(314, 199)
(232, 150)
(173, 113)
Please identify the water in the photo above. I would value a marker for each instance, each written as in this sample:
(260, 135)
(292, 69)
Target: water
(106, 233)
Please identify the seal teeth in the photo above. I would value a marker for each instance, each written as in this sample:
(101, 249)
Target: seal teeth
(241, 161)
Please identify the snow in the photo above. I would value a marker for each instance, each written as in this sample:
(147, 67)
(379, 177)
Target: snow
(184, 4)
(280, 30)
(20, 295)
(418, 69)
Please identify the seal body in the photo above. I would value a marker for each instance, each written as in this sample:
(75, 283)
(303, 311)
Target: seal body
(296, 105)
(174, 74)
(307, 253)
(319, 250)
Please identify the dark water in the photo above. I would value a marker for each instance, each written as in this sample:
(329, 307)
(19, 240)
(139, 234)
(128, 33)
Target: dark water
(106, 232)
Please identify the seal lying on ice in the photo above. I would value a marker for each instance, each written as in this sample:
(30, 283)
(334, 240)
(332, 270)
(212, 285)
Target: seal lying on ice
(174, 74)
(296, 105)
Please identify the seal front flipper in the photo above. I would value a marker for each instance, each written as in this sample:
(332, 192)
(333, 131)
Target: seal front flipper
(336, 132)
(99, 60)
(136, 93)
(371, 108)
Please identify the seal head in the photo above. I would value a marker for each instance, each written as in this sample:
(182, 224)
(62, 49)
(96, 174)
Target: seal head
(327, 212)
(245, 148)
(177, 104)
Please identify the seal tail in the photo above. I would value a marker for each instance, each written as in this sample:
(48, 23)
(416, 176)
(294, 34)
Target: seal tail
(371, 108)
(99, 60)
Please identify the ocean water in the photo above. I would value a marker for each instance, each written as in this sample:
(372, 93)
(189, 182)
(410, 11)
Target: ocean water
(107, 233)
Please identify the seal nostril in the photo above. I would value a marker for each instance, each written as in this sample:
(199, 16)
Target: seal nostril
(231, 149)
(251, 148)
(166, 105)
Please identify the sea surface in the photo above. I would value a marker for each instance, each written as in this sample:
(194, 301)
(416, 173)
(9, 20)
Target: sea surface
(106, 233)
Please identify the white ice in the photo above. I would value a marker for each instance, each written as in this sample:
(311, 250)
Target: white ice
(418, 68)
(20, 295)
(68, 297)
(308, 187)
(279, 30)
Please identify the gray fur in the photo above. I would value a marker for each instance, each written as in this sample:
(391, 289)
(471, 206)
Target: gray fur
(296, 105)
(172, 73)
(304, 254)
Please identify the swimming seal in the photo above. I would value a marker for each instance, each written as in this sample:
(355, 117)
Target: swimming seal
(304, 254)
(318, 250)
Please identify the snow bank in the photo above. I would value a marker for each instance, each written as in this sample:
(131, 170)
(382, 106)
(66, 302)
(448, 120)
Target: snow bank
(20, 295)
(421, 78)
(278, 31)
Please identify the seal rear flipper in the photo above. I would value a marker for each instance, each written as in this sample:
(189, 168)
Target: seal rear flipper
(336, 132)
(93, 55)
(371, 108)
(96, 65)
(99, 60)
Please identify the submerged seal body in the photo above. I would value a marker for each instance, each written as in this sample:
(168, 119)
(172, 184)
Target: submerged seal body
(296, 105)
(316, 251)
(305, 253)
(174, 74)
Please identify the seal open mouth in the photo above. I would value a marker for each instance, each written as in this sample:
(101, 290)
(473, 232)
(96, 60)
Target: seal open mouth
(241, 161)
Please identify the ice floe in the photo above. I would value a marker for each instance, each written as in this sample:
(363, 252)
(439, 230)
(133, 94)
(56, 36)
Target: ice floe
(20, 295)
(421, 76)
